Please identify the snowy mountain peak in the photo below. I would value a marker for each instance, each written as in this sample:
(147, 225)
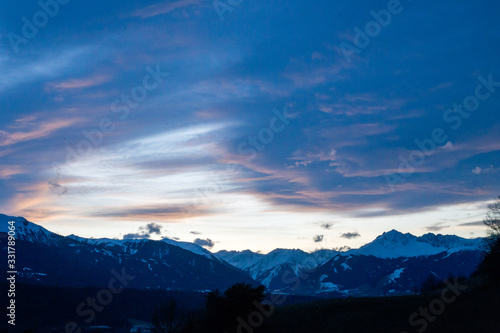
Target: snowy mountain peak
(289, 254)
(449, 241)
(196, 249)
(394, 244)
(395, 236)
(242, 260)
(28, 231)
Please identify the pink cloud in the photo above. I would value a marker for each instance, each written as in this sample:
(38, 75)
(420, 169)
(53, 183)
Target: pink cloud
(79, 83)
(8, 171)
(34, 132)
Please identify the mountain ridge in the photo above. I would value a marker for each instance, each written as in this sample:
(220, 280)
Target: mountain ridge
(439, 241)
(387, 265)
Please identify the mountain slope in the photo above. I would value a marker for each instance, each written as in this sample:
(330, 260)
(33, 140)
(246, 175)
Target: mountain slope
(29, 231)
(394, 244)
(242, 260)
(50, 259)
(360, 275)
(394, 263)
(271, 268)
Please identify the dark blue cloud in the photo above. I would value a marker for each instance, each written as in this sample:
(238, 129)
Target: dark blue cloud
(204, 242)
(349, 124)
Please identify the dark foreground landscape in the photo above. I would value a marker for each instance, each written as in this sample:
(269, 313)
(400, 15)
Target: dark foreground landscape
(232, 166)
(74, 285)
(476, 309)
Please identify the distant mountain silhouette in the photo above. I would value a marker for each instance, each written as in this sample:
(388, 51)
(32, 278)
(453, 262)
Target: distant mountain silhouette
(394, 263)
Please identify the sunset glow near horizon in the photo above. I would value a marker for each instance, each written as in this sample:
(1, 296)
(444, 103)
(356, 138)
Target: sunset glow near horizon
(265, 126)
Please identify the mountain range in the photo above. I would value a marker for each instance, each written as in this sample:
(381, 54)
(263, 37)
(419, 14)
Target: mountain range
(394, 263)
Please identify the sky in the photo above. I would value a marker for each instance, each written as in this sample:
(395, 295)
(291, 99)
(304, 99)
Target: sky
(250, 124)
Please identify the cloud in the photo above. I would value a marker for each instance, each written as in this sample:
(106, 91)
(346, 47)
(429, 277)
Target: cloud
(490, 169)
(79, 83)
(204, 242)
(441, 86)
(436, 226)
(350, 235)
(310, 157)
(32, 131)
(7, 171)
(318, 238)
(195, 232)
(448, 146)
(152, 228)
(362, 104)
(55, 186)
(350, 129)
(145, 232)
(164, 8)
(327, 226)
(160, 211)
(50, 65)
(472, 224)
(135, 236)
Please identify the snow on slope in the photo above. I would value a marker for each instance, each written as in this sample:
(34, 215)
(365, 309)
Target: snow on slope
(452, 242)
(28, 231)
(266, 267)
(394, 244)
(323, 255)
(193, 248)
(297, 259)
(396, 275)
(196, 249)
(242, 260)
(247, 259)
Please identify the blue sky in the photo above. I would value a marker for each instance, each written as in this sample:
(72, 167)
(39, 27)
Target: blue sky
(249, 124)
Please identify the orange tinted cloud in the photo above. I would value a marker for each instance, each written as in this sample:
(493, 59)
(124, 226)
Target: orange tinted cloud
(6, 171)
(79, 83)
(34, 132)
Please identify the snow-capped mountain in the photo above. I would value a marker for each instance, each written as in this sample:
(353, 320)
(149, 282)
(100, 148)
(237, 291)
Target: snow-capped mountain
(50, 259)
(394, 263)
(241, 259)
(360, 275)
(28, 231)
(191, 247)
(196, 249)
(269, 268)
(323, 255)
(394, 244)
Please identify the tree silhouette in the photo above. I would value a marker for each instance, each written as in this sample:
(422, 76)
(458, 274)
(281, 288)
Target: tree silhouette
(223, 310)
(490, 266)
(168, 318)
(429, 284)
(492, 219)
